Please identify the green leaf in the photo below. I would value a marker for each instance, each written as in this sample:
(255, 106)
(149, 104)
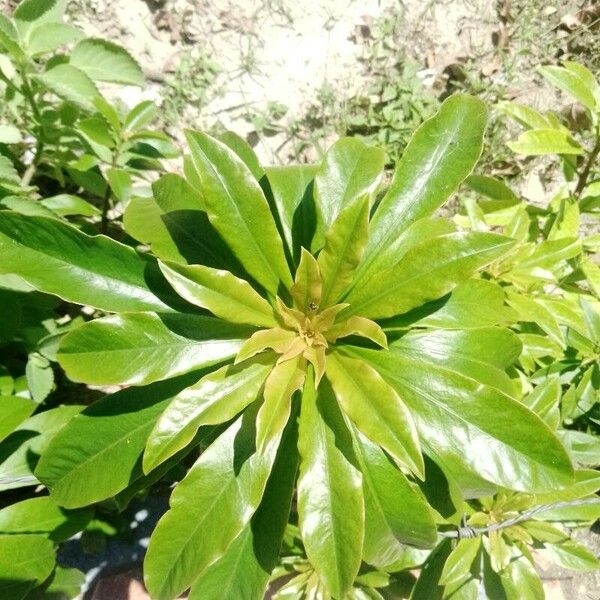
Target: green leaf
(20, 451)
(102, 60)
(224, 294)
(141, 115)
(241, 147)
(458, 564)
(9, 134)
(209, 509)
(98, 453)
(72, 84)
(579, 83)
(571, 555)
(145, 347)
(426, 272)
(396, 512)
(441, 153)
(42, 516)
(13, 411)
(48, 37)
(291, 188)
(375, 409)
(64, 583)
(330, 501)
(239, 211)
(481, 354)
(492, 188)
(545, 141)
(344, 245)
(244, 570)
(472, 304)
(351, 171)
(25, 562)
(283, 381)
(8, 173)
(468, 426)
(521, 581)
(120, 183)
(40, 377)
(307, 288)
(216, 398)
(30, 12)
(58, 259)
(525, 115)
(544, 401)
(96, 130)
(66, 205)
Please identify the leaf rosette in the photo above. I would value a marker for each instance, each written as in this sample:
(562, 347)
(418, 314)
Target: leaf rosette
(313, 336)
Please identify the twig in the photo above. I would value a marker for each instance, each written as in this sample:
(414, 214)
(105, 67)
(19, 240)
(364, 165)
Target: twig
(584, 175)
(471, 532)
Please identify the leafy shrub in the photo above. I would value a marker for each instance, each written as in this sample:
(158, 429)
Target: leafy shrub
(343, 385)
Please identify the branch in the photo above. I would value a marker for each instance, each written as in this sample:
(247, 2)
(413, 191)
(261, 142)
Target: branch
(584, 175)
(471, 532)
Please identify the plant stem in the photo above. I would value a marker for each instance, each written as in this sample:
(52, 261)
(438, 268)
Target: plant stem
(470, 532)
(584, 175)
(27, 91)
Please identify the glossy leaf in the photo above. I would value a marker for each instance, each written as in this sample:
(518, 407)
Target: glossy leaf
(58, 259)
(215, 501)
(344, 245)
(216, 398)
(98, 453)
(13, 411)
(330, 501)
(465, 425)
(350, 172)
(376, 409)
(138, 348)
(244, 570)
(426, 272)
(220, 292)
(458, 564)
(307, 289)
(441, 153)
(395, 511)
(239, 211)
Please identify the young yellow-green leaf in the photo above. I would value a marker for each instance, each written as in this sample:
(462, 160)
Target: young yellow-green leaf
(344, 245)
(216, 398)
(525, 115)
(72, 84)
(307, 287)
(530, 309)
(466, 425)
(58, 259)
(426, 272)
(13, 411)
(283, 381)
(376, 409)
(66, 205)
(358, 326)
(441, 153)
(351, 171)
(545, 401)
(458, 564)
(138, 348)
(545, 141)
(25, 562)
(9, 134)
(330, 501)
(43, 517)
(277, 339)
(244, 570)
(102, 60)
(579, 83)
(238, 210)
(215, 501)
(220, 292)
(396, 512)
(98, 454)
